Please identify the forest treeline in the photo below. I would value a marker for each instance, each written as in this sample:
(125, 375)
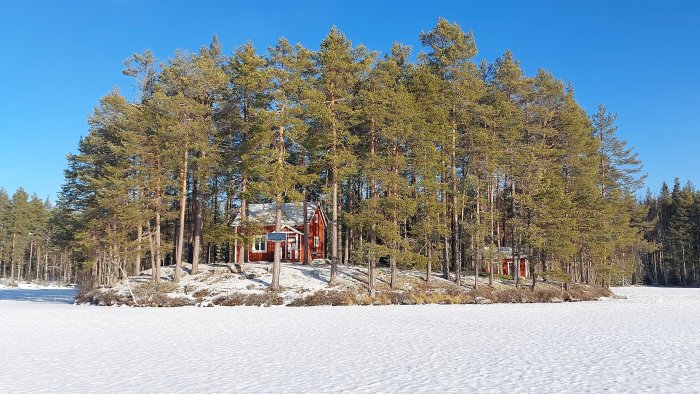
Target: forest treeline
(675, 218)
(429, 164)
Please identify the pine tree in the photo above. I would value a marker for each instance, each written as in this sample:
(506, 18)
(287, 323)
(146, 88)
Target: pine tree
(284, 129)
(20, 222)
(427, 166)
(619, 165)
(340, 67)
(450, 52)
(5, 236)
(246, 99)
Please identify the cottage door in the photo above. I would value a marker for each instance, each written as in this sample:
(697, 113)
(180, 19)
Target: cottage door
(292, 246)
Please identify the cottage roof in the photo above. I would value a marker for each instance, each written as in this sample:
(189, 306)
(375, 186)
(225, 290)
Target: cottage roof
(292, 213)
(504, 252)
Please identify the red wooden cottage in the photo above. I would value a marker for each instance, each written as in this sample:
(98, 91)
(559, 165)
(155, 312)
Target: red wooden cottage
(292, 226)
(502, 262)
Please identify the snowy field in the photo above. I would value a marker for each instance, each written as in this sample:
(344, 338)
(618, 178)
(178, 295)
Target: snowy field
(647, 343)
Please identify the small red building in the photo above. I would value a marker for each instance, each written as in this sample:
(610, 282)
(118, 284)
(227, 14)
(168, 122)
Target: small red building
(292, 225)
(502, 260)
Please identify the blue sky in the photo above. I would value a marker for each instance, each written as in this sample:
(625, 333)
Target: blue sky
(58, 58)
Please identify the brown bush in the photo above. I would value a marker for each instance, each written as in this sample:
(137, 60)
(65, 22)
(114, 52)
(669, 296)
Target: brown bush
(149, 289)
(235, 299)
(441, 296)
(401, 298)
(86, 297)
(104, 298)
(201, 293)
(325, 297)
(363, 299)
(508, 295)
(264, 299)
(541, 294)
(578, 292)
(483, 291)
(162, 300)
(238, 299)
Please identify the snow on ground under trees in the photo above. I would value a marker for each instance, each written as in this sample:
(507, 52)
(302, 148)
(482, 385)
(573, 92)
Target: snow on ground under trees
(647, 342)
(308, 285)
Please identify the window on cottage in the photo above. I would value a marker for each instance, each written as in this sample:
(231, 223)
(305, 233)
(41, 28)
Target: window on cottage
(260, 244)
(317, 241)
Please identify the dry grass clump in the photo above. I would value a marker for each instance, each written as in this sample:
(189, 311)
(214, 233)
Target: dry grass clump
(162, 300)
(264, 299)
(238, 299)
(98, 297)
(235, 299)
(442, 297)
(507, 295)
(540, 294)
(201, 293)
(149, 289)
(85, 297)
(482, 295)
(386, 297)
(579, 292)
(146, 297)
(326, 297)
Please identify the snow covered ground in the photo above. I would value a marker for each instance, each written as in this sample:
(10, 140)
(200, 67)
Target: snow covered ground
(646, 343)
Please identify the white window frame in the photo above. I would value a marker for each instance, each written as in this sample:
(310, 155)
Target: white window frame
(259, 239)
(317, 241)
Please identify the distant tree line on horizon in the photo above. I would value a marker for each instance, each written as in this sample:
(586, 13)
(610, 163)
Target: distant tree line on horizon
(674, 216)
(425, 165)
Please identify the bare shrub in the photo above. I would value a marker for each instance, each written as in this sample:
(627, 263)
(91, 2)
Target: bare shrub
(579, 292)
(235, 299)
(87, 297)
(483, 292)
(508, 295)
(264, 299)
(149, 289)
(162, 300)
(238, 299)
(104, 298)
(201, 293)
(325, 297)
(400, 298)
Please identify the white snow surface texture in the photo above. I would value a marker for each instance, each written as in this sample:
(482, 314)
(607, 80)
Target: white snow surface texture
(647, 343)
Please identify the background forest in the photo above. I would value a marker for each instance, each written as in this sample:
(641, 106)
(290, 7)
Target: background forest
(429, 162)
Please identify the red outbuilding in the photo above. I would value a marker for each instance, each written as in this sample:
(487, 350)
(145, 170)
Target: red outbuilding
(502, 262)
(292, 225)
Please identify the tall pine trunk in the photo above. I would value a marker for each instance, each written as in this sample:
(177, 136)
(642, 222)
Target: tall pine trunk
(307, 260)
(371, 259)
(456, 250)
(243, 258)
(139, 241)
(277, 262)
(445, 239)
(158, 257)
(183, 203)
(199, 185)
(334, 220)
(12, 257)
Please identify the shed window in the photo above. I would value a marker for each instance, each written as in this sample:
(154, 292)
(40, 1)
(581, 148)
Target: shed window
(260, 244)
(317, 241)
